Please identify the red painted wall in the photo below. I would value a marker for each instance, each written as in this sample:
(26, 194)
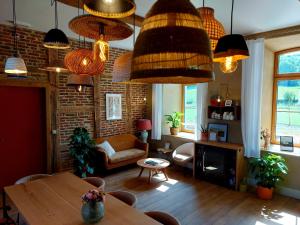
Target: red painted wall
(22, 133)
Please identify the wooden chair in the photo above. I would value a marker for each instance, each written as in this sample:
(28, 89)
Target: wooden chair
(32, 177)
(125, 196)
(184, 154)
(96, 181)
(163, 218)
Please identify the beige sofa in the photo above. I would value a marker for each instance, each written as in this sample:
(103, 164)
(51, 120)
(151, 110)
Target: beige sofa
(128, 150)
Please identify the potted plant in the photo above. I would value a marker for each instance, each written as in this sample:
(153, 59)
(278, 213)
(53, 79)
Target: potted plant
(268, 171)
(204, 133)
(175, 121)
(82, 149)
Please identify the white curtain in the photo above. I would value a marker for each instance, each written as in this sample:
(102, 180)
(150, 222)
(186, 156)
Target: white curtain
(202, 92)
(157, 103)
(252, 75)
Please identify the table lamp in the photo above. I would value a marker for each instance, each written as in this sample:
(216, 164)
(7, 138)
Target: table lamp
(143, 125)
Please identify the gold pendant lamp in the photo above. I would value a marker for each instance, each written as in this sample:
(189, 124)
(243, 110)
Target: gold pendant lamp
(172, 46)
(110, 8)
(230, 49)
(213, 27)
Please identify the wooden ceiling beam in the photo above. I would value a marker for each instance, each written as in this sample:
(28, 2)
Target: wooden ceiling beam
(138, 19)
(275, 33)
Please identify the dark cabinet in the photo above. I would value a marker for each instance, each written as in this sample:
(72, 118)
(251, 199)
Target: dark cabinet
(218, 164)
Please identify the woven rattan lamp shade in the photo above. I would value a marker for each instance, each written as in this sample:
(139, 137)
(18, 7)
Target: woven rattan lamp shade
(110, 8)
(172, 46)
(81, 61)
(88, 26)
(213, 27)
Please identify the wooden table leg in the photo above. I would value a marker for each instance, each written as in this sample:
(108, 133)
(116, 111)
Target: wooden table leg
(142, 169)
(150, 176)
(165, 173)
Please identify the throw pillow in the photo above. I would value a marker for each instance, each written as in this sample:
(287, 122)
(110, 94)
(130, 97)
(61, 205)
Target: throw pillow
(109, 150)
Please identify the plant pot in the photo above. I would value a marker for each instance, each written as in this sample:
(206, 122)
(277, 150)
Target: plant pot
(264, 192)
(204, 136)
(92, 212)
(174, 130)
(243, 187)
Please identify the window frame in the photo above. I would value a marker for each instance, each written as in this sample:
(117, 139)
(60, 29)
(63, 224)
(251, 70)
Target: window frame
(183, 109)
(278, 77)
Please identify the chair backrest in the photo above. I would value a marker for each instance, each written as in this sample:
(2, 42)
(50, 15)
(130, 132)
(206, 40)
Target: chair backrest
(125, 196)
(32, 177)
(187, 149)
(162, 217)
(96, 181)
(119, 142)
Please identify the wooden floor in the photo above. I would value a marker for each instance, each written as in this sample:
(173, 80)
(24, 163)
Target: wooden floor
(196, 202)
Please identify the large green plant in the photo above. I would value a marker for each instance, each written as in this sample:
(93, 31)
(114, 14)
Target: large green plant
(82, 149)
(268, 170)
(174, 119)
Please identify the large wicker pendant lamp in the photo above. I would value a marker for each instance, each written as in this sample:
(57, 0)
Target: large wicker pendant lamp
(172, 46)
(15, 65)
(230, 49)
(213, 27)
(56, 38)
(110, 8)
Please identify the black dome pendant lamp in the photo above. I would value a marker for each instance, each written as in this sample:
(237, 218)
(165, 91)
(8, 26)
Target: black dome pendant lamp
(56, 38)
(230, 49)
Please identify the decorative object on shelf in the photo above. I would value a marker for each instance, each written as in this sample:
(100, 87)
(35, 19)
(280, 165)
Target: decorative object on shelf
(113, 106)
(266, 136)
(82, 149)
(216, 100)
(172, 46)
(15, 65)
(221, 129)
(80, 82)
(286, 143)
(224, 112)
(175, 121)
(204, 133)
(228, 102)
(230, 49)
(89, 26)
(268, 171)
(213, 27)
(92, 210)
(81, 61)
(110, 8)
(143, 125)
(213, 135)
(56, 38)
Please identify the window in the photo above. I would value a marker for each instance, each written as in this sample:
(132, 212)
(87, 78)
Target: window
(189, 106)
(286, 99)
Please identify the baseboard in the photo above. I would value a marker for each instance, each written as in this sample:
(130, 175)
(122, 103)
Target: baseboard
(290, 192)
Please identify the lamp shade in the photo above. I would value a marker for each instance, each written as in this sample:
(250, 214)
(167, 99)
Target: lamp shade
(81, 61)
(143, 124)
(15, 65)
(56, 38)
(172, 46)
(76, 79)
(213, 27)
(232, 45)
(122, 68)
(56, 66)
(110, 8)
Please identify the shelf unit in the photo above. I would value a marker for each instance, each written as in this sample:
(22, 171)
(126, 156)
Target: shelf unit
(236, 111)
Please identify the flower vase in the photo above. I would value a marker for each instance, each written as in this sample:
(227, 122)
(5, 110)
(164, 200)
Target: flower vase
(267, 142)
(204, 136)
(92, 212)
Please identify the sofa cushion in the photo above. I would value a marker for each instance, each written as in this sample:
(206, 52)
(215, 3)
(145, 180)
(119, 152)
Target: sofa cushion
(107, 148)
(120, 142)
(126, 155)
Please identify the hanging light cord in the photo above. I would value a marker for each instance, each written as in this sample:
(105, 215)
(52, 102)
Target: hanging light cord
(55, 9)
(231, 16)
(15, 28)
(133, 29)
(203, 3)
(78, 12)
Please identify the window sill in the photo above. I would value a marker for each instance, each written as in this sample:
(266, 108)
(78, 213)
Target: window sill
(276, 149)
(185, 135)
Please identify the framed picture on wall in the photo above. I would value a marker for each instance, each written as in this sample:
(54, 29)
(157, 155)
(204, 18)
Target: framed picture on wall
(221, 129)
(113, 106)
(286, 143)
(228, 102)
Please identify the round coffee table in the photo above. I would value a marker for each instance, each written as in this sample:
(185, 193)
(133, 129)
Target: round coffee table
(154, 165)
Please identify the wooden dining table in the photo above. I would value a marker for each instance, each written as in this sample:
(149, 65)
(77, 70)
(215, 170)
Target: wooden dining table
(56, 200)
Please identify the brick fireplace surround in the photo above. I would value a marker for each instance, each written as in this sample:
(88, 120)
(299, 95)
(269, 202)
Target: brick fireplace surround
(70, 109)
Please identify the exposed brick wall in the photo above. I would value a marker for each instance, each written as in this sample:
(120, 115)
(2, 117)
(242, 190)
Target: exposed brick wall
(73, 109)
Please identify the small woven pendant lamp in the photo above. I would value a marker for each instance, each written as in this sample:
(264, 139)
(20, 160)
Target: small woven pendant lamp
(172, 46)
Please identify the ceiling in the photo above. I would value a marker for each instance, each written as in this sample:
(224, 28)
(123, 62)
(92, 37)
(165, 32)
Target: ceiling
(282, 43)
(250, 16)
